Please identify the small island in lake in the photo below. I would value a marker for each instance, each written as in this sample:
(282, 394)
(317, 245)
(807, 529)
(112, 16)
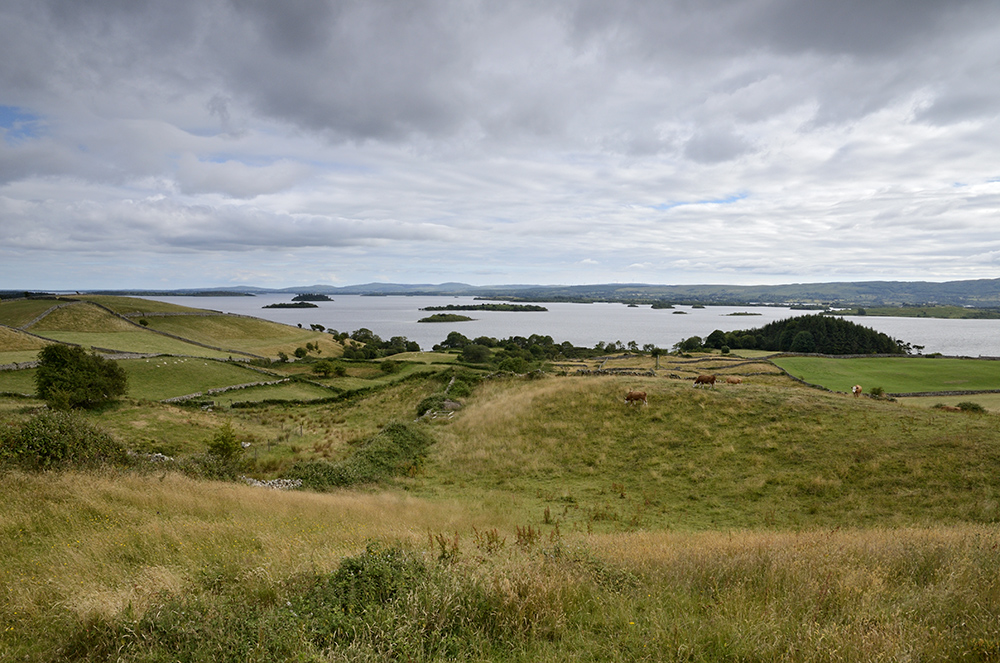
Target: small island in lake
(486, 307)
(291, 305)
(446, 317)
(311, 297)
(743, 313)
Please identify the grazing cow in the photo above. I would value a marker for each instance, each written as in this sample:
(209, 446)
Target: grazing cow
(856, 390)
(636, 397)
(705, 379)
(732, 379)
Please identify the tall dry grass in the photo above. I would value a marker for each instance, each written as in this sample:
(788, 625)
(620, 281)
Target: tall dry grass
(150, 566)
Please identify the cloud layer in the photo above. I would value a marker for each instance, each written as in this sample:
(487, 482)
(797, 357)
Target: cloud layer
(213, 142)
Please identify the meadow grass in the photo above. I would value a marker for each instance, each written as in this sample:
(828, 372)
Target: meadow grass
(149, 567)
(895, 375)
(18, 382)
(747, 456)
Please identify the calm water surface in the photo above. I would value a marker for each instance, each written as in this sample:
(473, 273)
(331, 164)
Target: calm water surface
(585, 324)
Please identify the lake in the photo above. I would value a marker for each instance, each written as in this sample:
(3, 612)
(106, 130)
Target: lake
(585, 324)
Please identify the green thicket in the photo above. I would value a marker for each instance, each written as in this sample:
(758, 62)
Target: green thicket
(396, 449)
(810, 333)
(70, 377)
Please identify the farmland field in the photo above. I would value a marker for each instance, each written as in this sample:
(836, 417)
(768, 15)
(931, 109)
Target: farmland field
(895, 375)
(158, 378)
(253, 335)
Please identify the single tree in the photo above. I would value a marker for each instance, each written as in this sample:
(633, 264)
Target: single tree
(70, 377)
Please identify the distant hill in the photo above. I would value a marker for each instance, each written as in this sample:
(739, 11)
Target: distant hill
(980, 293)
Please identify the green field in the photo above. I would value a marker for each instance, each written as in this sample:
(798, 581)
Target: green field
(253, 335)
(895, 375)
(137, 340)
(17, 382)
(158, 378)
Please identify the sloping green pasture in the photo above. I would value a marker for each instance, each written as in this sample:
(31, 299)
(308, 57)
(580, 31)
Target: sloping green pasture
(158, 378)
(19, 312)
(253, 335)
(90, 326)
(895, 375)
(746, 456)
(81, 317)
(289, 391)
(135, 305)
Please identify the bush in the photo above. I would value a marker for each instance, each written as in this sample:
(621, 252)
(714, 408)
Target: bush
(968, 406)
(69, 377)
(57, 440)
(396, 449)
(475, 353)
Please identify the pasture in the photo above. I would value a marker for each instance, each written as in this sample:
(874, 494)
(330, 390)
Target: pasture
(157, 378)
(252, 335)
(19, 312)
(895, 375)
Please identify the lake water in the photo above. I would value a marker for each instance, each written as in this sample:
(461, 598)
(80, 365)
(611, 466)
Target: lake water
(585, 324)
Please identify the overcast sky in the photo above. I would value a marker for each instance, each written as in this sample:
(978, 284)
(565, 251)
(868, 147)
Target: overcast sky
(186, 143)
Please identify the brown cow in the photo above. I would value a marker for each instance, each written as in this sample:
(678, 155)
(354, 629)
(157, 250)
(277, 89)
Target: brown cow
(705, 379)
(856, 390)
(732, 379)
(635, 397)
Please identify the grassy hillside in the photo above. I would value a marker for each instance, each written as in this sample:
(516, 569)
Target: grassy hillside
(134, 306)
(19, 312)
(743, 457)
(253, 335)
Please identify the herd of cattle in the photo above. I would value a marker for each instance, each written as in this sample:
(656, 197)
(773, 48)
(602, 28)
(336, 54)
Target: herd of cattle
(640, 396)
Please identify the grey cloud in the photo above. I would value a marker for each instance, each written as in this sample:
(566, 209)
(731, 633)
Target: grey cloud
(714, 146)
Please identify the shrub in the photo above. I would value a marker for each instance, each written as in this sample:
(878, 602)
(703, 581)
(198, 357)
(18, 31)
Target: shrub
(433, 402)
(968, 406)
(396, 449)
(69, 377)
(877, 392)
(224, 445)
(56, 440)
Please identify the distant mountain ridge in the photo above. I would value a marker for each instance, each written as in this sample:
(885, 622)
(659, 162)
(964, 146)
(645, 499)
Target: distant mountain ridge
(979, 293)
